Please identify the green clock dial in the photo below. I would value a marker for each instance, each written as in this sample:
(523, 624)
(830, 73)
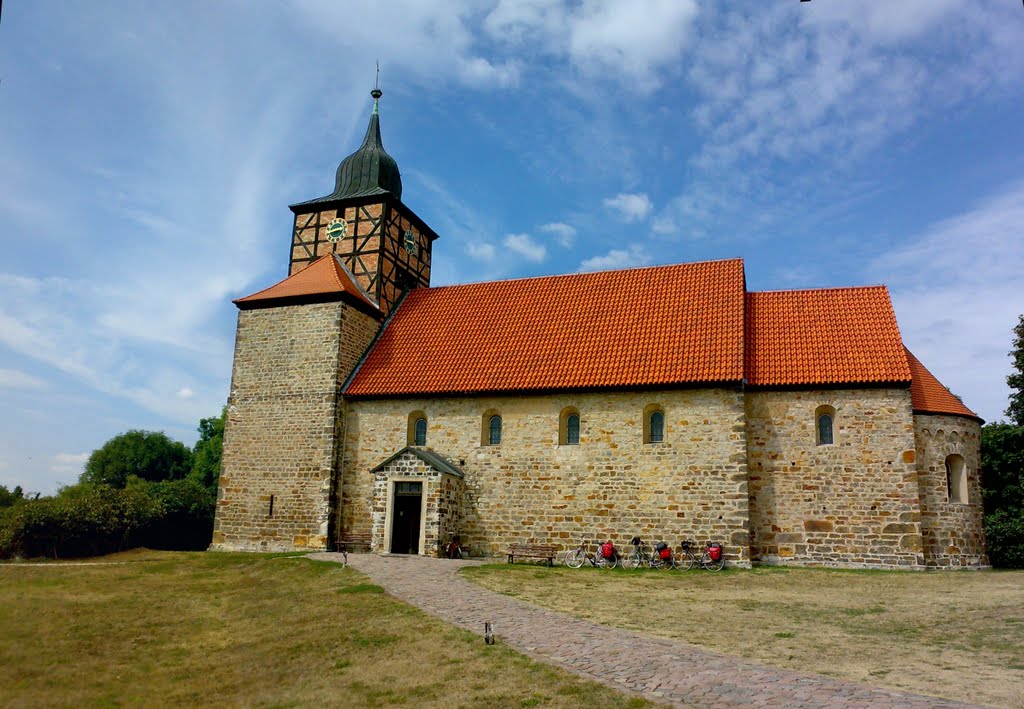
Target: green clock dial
(337, 229)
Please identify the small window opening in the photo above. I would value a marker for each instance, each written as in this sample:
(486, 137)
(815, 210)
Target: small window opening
(824, 425)
(494, 431)
(956, 479)
(569, 427)
(270, 512)
(416, 433)
(654, 424)
(572, 430)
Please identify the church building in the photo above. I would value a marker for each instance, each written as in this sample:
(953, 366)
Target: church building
(667, 402)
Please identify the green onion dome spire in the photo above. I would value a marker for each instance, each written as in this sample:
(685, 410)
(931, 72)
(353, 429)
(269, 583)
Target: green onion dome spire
(369, 170)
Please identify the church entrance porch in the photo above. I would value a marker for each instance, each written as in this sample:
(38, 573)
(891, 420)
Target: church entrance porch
(406, 517)
(417, 503)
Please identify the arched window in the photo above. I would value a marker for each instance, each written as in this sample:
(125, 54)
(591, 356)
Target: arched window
(569, 427)
(657, 427)
(490, 428)
(572, 430)
(956, 479)
(824, 423)
(654, 424)
(417, 431)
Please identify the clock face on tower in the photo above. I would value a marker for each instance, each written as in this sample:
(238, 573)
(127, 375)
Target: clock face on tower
(337, 229)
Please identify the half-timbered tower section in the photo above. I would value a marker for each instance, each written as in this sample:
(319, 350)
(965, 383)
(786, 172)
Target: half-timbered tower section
(380, 240)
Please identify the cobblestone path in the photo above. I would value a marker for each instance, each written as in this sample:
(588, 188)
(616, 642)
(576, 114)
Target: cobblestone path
(659, 669)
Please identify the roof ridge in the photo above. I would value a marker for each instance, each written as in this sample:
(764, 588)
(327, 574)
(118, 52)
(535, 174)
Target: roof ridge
(821, 289)
(558, 276)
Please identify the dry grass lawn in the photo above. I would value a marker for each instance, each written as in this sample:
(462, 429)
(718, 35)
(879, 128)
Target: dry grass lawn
(245, 629)
(956, 635)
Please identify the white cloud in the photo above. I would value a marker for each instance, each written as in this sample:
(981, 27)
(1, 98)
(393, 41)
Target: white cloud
(480, 250)
(664, 224)
(526, 247)
(885, 21)
(185, 393)
(631, 38)
(430, 41)
(636, 255)
(792, 98)
(606, 40)
(563, 233)
(69, 463)
(14, 379)
(631, 207)
(957, 292)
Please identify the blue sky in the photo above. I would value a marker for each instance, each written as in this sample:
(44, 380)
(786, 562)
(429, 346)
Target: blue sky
(148, 152)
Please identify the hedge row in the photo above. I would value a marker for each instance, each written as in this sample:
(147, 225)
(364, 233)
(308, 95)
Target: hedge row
(89, 520)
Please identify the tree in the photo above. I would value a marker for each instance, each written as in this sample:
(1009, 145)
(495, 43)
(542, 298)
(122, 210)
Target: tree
(9, 497)
(147, 455)
(1002, 466)
(207, 452)
(1016, 379)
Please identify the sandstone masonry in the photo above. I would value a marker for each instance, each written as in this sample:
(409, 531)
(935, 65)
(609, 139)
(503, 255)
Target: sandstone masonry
(282, 424)
(531, 489)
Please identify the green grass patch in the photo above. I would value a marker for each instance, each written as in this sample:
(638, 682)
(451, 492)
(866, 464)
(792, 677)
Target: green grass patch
(248, 629)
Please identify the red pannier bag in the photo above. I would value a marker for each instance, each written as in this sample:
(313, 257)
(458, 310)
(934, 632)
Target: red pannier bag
(715, 550)
(663, 551)
(608, 550)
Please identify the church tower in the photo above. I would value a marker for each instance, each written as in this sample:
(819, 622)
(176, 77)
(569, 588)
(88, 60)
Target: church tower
(353, 254)
(382, 242)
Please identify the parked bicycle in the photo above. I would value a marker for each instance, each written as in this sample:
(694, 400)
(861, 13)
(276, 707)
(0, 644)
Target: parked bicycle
(712, 559)
(606, 556)
(661, 558)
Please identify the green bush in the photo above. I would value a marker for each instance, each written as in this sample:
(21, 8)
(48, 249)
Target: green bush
(1002, 465)
(186, 520)
(85, 520)
(89, 520)
(1004, 535)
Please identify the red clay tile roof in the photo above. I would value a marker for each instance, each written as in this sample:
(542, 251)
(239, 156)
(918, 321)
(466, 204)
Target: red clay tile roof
(827, 336)
(929, 396)
(322, 279)
(639, 327)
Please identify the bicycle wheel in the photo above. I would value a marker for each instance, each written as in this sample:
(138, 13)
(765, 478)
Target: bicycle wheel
(608, 562)
(659, 563)
(683, 561)
(632, 561)
(574, 558)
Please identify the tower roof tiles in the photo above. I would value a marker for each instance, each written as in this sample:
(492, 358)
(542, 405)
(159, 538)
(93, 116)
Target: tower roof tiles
(324, 279)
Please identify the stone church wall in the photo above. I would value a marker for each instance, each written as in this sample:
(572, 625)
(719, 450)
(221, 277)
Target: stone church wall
(954, 533)
(281, 427)
(612, 485)
(853, 503)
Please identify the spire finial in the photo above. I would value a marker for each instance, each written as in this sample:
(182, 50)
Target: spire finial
(376, 93)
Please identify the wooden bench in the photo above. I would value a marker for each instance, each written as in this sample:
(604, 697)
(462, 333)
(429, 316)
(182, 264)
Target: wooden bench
(532, 551)
(354, 541)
